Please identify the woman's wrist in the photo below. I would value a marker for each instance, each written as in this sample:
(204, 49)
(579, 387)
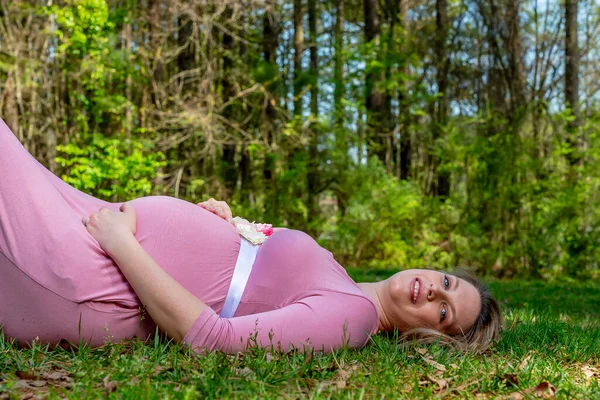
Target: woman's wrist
(120, 244)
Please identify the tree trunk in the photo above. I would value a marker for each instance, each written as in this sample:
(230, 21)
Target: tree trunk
(185, 59)
(338, 78)
(313, 154)
(229, 167)
(298, 49)
(392, 11)
(442, 188)
(375, 99)
(127, 40)
(516, 76)
(571, 63)
(403, 106)
(269, 45)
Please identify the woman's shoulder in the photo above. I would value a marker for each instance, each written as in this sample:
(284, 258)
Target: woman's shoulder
(355, 311)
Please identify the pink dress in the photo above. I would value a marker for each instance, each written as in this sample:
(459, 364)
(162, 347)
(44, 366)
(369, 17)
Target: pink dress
(56, 283)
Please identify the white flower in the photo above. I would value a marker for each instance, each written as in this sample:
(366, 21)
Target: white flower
(248, 230)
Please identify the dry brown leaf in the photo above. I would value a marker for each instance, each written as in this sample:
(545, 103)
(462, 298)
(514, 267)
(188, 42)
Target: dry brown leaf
(510, 379)
(21, 384)
(158, 369)
(340, 384)
(454, 366)
(545, 390)
(57, 376)
(589, 372)
(525, 362)
(28, 383)
(26, 375)
(308, 358)
(435, 364)
(246, 372)
(422, 351)
(109, 385)
(442, 383)
(516, 396)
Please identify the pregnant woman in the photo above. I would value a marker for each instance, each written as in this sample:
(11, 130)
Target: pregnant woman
(76, 268)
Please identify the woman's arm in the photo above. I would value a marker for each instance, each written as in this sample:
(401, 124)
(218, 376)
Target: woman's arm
(171, 306)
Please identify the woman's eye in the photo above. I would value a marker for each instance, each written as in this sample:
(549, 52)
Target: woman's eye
(443, 314)
(446, 282)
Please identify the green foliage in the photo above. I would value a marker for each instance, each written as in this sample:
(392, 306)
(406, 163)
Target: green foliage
(518, 213)
(110, 168)
(87, 33)
(385, 223)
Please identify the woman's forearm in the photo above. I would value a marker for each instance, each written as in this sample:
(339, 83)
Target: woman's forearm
(171, 306)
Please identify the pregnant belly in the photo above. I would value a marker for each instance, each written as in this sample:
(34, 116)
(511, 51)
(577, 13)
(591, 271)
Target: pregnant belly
(194, 246)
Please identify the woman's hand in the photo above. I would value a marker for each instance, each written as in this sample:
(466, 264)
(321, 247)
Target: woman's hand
(219, 208)
(111, 228)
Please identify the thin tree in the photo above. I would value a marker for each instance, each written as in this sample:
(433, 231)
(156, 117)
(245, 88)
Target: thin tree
(375, 98)
(298, 49)
(571, 63)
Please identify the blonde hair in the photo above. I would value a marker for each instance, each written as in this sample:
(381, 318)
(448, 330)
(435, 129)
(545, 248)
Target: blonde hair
(479, 337)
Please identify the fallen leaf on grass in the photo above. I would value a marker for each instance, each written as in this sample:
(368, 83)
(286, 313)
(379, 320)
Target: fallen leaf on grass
(158, 370)
(422, 351)
(29, 380)
(525, 362)
(308, 358)
(544, 390)
(442, 383)
(28, 383)
(344, 375)
(435, 364)
(109, 385)
(245, 372)
(509, 379)
(26, 375)
(589, 372)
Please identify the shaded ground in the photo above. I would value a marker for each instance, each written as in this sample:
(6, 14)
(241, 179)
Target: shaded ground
(551, 347)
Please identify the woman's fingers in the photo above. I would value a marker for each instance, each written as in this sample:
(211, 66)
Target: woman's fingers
(127, 208)
(130, 215)
(219, 208)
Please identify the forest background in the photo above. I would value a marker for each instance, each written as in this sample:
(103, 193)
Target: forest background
(399, 133)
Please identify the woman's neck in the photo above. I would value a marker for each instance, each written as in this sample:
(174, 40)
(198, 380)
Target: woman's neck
(376, 291)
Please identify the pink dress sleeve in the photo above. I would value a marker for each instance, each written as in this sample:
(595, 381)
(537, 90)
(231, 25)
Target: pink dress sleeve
(323, 321)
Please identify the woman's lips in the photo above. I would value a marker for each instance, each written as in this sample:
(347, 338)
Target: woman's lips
(415, 290)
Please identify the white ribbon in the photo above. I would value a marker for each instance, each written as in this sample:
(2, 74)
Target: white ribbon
(241, 273)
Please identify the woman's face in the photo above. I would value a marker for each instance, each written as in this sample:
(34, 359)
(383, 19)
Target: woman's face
(420, 298)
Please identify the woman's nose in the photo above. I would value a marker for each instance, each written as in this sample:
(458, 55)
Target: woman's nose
(431, 292)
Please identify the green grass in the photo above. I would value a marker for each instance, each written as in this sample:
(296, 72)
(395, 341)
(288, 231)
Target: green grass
(551, 342)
